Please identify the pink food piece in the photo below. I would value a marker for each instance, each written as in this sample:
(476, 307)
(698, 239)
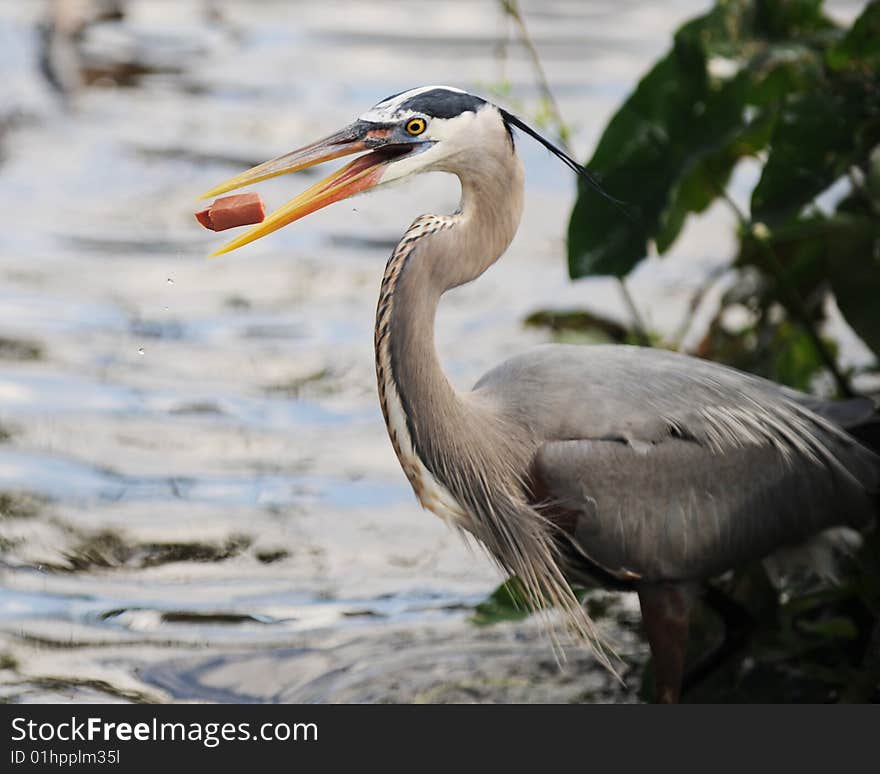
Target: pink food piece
(231, 211)
(204, 217)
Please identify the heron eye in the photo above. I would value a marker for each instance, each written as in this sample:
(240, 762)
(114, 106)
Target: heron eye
(415, 126)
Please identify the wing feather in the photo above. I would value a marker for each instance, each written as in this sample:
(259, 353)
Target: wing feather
(684, 511)
(677, 467)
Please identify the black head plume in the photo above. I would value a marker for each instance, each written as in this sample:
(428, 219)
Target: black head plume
(578, 169)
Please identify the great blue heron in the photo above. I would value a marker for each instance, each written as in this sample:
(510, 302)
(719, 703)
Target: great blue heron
(644, 468)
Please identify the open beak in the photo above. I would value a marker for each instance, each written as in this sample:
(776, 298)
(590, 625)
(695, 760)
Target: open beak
(356, 176)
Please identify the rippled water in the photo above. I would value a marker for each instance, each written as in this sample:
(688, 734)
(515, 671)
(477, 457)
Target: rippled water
(198, 500)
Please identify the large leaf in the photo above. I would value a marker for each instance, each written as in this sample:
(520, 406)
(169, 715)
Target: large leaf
(824, 131)
(861, 46)
(704, 175)
(855, 275)
(671, 147)
(820, 135)
(668, 122)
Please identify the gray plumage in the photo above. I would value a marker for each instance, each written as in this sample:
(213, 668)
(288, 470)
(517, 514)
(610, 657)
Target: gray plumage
(643, 465)
(648, 469)
(685, 471)
(671, 467)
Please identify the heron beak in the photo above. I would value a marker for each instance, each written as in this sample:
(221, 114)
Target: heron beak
(356, 176)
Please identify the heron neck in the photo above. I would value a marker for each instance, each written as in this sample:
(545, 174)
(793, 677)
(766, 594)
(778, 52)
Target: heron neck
(436, 254)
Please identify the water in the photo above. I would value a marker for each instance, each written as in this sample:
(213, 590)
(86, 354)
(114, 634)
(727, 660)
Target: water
(199, 499)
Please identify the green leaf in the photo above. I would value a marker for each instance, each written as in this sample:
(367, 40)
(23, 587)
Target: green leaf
(819, 135)
(825, 130)
(507, 603)
(860, 48)
(854, 254)
(782, 69)
(872, 182)
(838, 628)
(660, 133)
(670, 149)
(705, 174)
(579, 322)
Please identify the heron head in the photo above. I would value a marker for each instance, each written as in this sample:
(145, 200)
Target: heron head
(420, 130)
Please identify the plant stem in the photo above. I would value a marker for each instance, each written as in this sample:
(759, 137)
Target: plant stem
(637, 322)
(693, 307)
(511, 8)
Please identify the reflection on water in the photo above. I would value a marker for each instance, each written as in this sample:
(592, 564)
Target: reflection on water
(197, 497)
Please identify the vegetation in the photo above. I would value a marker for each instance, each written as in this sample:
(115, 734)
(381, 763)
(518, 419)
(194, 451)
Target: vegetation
(780, 83)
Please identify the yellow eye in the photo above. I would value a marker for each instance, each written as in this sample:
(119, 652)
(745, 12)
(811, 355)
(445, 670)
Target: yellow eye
(416, 125)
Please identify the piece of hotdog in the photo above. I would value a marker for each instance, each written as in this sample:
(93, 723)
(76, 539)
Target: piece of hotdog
(231, 211)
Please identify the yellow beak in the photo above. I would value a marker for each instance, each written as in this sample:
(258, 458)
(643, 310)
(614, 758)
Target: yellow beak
(359, 175)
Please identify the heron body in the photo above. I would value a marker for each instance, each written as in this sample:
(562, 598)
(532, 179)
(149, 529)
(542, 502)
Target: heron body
(647, 469)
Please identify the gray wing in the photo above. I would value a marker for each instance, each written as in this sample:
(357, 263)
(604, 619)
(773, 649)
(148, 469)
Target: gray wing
(669, 467)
